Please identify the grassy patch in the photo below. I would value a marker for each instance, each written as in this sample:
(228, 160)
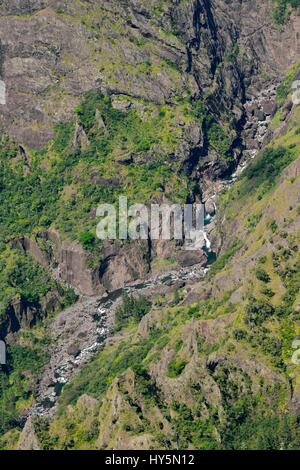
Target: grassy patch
(176, 367)
(282, 10)
(222, 261)
(284, 88)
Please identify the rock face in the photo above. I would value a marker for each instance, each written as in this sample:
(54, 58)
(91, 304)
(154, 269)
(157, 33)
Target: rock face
(223, 47)
(227, 56)
(124, 264)
(28, 439)
(259, 112)
(219, 50)
(121, 264)
(67, 260)
(20, 314)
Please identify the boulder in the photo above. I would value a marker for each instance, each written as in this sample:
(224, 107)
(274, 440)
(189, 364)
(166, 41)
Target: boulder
(260, 115)
(74, 350)
(269, 107)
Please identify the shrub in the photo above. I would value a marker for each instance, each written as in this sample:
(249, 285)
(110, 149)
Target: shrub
(267, 167)
(17, 387)
(145, 385)
(281, 10)
(8, 148)
(240, 334)
(63, 135)
(131, 308)
(284, 88)
(257, 311)
(218, 139)
(273, 226)
(267, 292)
(262, 275)
(87, 240)
(176, 367)
(21, 277)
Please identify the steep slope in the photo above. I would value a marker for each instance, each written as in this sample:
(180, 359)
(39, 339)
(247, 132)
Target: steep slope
(68, 48)
(214, 366)
(144, 99)
(158, 101)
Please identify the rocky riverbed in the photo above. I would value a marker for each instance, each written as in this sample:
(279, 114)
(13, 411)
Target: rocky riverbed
(80, 331)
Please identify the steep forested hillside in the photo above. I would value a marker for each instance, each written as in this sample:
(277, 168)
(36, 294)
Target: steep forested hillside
(160, 101)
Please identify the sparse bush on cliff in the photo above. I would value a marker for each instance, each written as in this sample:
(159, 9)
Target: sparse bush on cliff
(282, 9)
(131, 308)
(257, 311)
(176, 367)
(87, 240)
(262, 275)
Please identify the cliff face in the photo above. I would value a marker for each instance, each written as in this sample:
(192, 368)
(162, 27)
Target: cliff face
(193, 64)
(52, 51)
(158, 101)
(214, 366)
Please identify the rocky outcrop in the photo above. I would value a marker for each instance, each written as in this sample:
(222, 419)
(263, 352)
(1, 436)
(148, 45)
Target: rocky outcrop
(259, 112)
(123, 264)
(30, 245)
(222, 48)
(18, 315)
(80, 138)
(28, 439)
(120, 265)
(67, 260)
(222, 53)
(21, 314)
(72, 266)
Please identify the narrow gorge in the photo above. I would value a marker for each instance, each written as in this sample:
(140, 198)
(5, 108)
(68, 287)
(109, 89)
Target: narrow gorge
(149, 344)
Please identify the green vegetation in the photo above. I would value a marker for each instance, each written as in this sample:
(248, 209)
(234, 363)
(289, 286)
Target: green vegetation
(108, 365)
(87, 240)
(216, 137)
(111, 130)
(221, 262)
(176, 367)
(64, 183)
(284, 88)
(27, 284)
(282, 9)
(64, 133)
(262, 275)
(257, 311)
(191, 431)
(8, 148)
(251, 428)
(23, 280)
(131, 308)
(17, 384)
(233, 55)
(266, 168)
